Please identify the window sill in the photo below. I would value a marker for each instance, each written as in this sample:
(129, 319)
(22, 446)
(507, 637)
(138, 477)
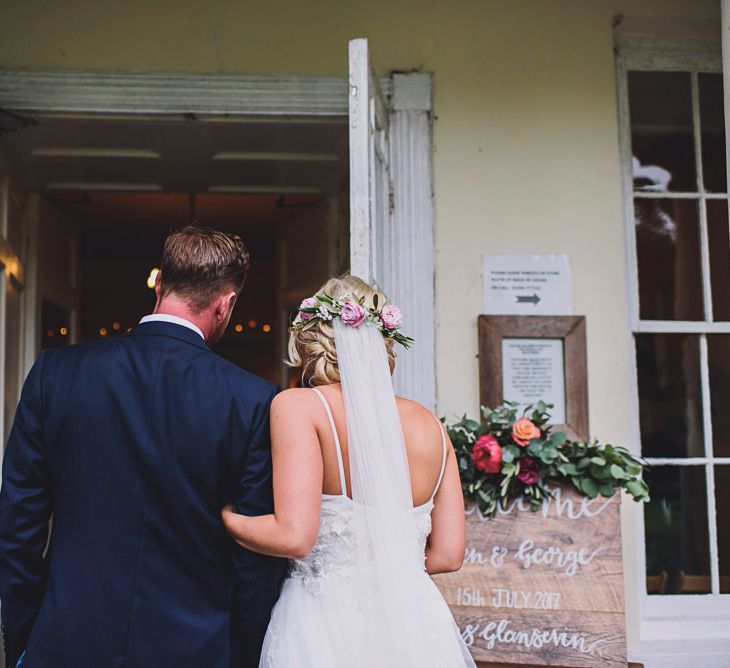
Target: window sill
(705, 608)
(681, 631)
(713, 653)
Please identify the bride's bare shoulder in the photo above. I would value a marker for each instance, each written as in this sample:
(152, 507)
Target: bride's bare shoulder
(414, 412)
(293, 399)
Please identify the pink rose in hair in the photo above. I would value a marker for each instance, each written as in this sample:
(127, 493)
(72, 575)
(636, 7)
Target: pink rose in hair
(352, 314)
(391, 316)
(309, 302)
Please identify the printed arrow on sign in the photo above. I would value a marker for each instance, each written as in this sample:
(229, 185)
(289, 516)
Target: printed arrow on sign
(526, 299)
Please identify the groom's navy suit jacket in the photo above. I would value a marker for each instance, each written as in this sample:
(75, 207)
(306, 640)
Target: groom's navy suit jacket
(133, 445)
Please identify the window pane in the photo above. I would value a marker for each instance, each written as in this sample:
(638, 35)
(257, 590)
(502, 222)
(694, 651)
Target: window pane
(662, 142)
(675, 527)
(718, 356)
(712, 122)
(717, 232)
(722, 508)
(668, 253)
(670, 401)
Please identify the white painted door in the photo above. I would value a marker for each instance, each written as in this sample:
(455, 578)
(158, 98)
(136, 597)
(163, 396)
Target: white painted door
(370, 176)
(391, 215)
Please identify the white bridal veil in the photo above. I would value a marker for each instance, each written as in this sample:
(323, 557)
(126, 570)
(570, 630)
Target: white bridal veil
(391, 593)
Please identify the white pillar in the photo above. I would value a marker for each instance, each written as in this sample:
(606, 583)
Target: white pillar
(411, 281)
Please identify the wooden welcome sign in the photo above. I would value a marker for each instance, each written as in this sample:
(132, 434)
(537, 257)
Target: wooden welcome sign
(543, 588)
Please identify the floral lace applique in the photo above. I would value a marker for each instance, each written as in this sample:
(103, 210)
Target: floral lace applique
(332, 556)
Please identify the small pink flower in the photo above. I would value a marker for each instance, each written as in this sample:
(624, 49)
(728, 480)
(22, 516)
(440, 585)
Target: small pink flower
(352, 314)
(309, 302)
(529, 471)
(391, 316)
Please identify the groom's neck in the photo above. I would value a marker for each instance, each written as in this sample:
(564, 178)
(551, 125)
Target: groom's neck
(173, 305)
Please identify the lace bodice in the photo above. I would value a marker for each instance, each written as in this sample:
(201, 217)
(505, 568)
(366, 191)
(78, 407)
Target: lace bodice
(334, 553)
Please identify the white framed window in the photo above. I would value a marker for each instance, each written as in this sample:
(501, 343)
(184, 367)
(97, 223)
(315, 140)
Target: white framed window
(672, 135)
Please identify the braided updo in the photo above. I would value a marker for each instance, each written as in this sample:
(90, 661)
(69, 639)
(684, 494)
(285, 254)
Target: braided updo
(314, 350)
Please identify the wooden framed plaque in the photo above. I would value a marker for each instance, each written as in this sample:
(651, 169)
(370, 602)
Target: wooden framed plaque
(530, 358)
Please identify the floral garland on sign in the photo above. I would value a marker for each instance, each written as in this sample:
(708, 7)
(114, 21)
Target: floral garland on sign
(352, 312)
(507, 456)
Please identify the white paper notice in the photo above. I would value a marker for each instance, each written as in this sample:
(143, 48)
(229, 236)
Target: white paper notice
(533, 370)
(527, 285)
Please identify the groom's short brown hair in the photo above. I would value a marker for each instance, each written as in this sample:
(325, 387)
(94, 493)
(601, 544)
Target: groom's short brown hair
(199, 263)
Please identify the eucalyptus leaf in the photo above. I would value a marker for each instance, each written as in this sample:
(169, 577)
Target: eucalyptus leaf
(590, 487)
(607, 489)
(558, 438)
(617, 472)
(510, 453)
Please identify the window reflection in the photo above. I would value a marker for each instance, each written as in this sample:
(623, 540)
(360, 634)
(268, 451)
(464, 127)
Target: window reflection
(719, 243)
(670, 403)
(722, 509)
(675, 526)
(712, 125)
(718, 356)
(668, 249)
(661, 131)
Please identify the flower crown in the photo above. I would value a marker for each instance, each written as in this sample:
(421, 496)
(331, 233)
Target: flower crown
(352, 312)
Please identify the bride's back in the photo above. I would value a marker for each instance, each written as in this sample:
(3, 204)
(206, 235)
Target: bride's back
(421, 434)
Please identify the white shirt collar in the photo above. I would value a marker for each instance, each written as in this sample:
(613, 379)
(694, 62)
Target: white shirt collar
(164, 317)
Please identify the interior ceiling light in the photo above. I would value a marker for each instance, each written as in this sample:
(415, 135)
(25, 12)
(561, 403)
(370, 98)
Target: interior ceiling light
(82, 152)
(152, 278)
(276, 157)
(98, 185)
(266, 190)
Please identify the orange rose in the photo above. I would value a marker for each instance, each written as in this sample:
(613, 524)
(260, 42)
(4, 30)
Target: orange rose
(523, 431)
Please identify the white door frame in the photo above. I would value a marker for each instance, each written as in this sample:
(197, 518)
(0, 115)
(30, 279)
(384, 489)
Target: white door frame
(297, 98)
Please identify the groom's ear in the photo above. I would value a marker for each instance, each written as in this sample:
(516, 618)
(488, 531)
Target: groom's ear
(225, 305)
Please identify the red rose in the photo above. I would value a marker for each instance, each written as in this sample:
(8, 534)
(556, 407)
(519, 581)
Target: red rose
(529, 471)
(487, 454)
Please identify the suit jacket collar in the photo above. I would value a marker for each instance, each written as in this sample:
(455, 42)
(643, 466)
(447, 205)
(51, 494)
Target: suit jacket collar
(169, 329)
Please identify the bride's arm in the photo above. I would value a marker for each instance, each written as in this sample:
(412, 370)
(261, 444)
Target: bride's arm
(297, 462)
(445, 547)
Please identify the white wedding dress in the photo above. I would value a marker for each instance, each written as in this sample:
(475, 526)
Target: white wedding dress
(325, 616)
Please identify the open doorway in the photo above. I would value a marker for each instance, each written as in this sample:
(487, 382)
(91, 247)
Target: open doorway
(359, 144)
(107, 189)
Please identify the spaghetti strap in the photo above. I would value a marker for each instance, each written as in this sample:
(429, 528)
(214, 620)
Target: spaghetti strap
(443, 458)
(340, 463)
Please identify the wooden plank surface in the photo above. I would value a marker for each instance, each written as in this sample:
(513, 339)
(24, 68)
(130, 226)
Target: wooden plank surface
(543, 588)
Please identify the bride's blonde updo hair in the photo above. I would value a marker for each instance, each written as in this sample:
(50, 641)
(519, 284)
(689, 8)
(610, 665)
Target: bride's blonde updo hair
(313, 349)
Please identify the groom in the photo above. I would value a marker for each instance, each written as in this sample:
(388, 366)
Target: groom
(132, 446)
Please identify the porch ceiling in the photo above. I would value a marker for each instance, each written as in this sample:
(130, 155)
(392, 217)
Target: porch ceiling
(181, 155)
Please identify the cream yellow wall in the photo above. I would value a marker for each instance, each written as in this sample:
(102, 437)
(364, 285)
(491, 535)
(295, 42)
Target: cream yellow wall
(525, 139)
(526, 151)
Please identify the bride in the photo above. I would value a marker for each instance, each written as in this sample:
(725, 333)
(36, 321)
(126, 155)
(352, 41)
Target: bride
(367, 498)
